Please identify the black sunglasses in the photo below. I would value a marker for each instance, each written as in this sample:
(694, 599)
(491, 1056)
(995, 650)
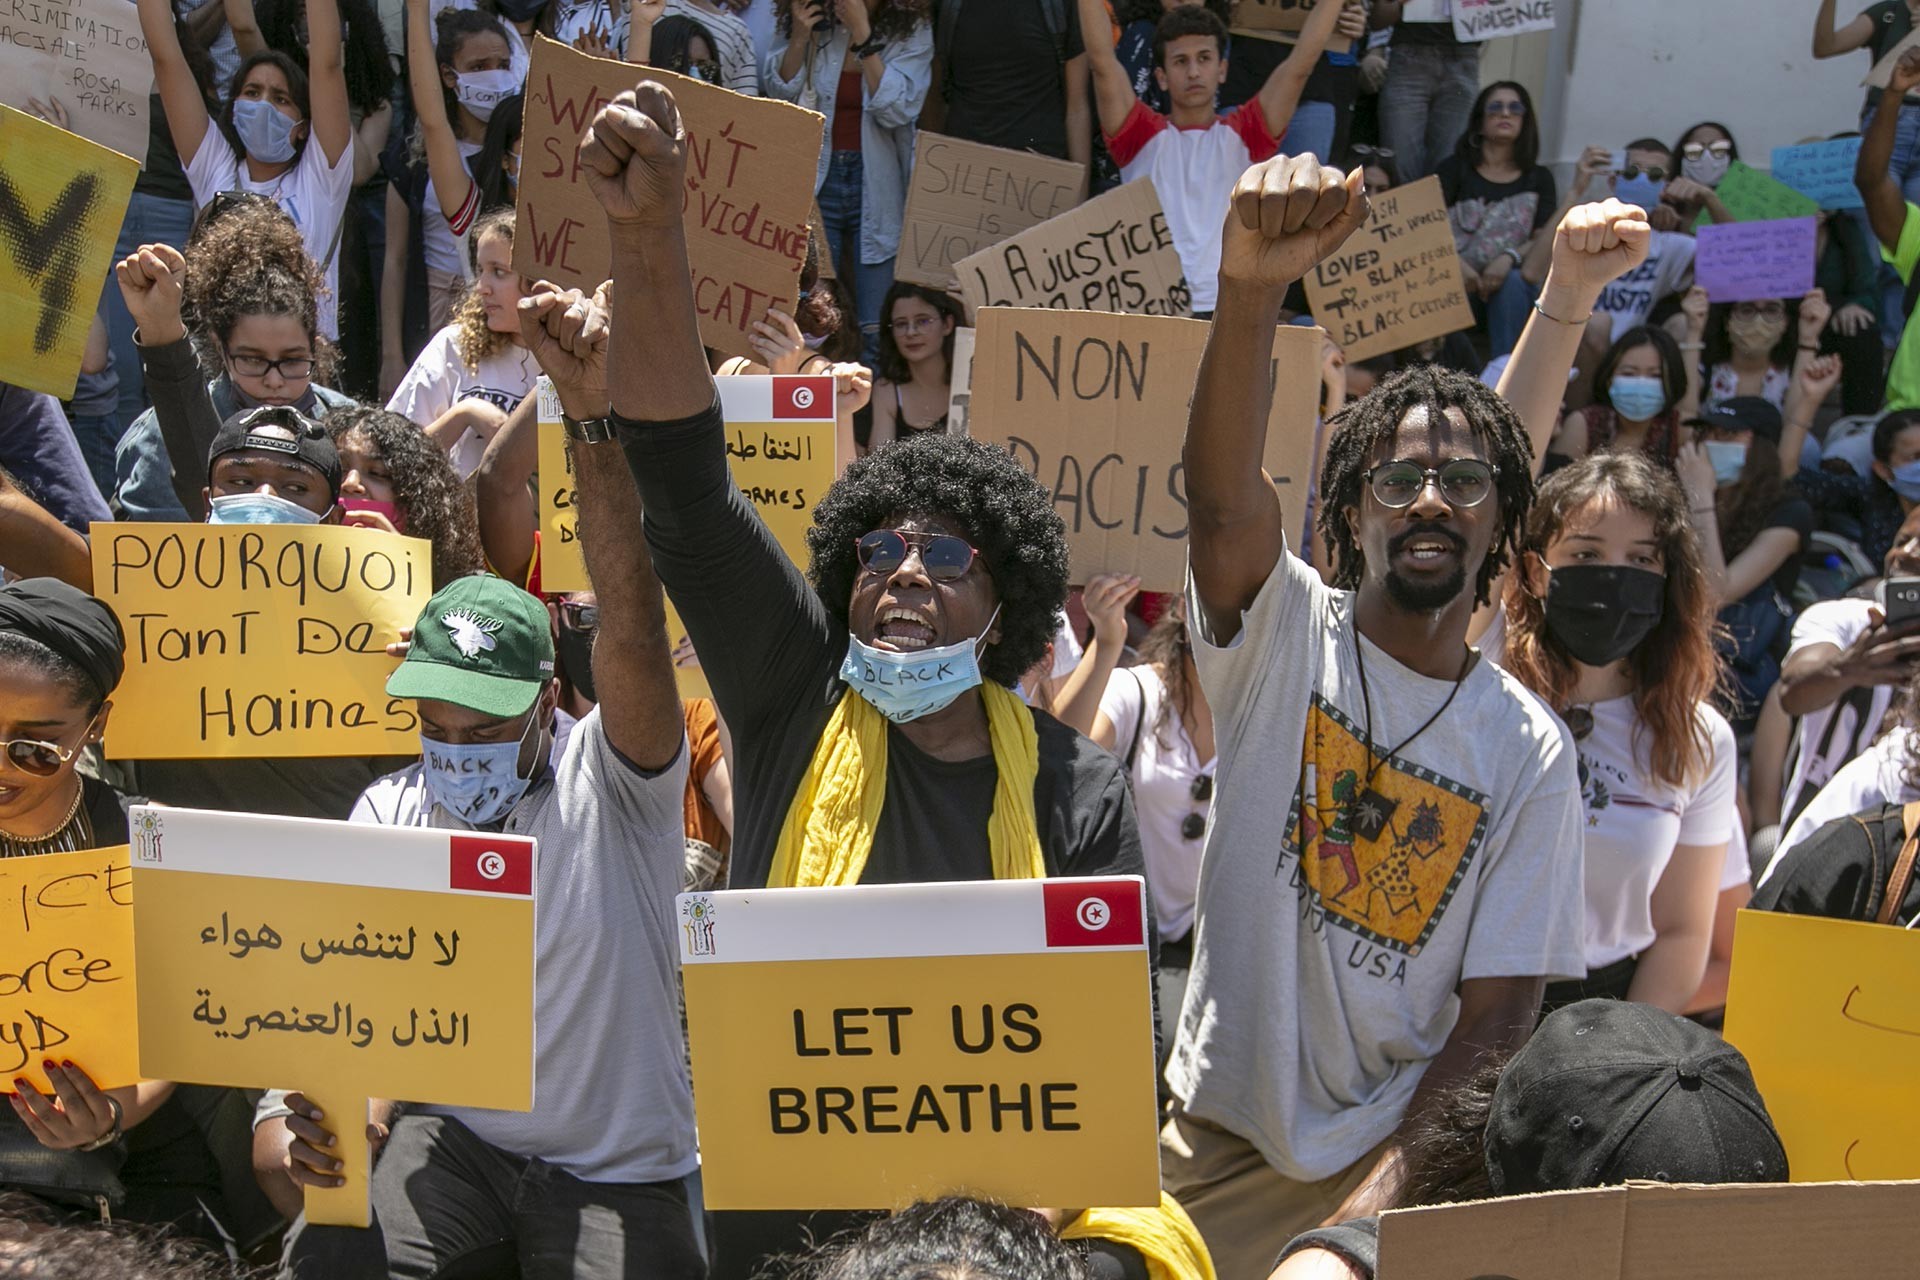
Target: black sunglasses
(1579, 722)
(943, 556)
(575, 616)
(1654, 172)
(43, 759)
(1194, 825)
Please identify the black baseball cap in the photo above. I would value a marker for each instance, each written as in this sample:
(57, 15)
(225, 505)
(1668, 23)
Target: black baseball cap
(1745, 413)
(309, 442)
(1608, 1091)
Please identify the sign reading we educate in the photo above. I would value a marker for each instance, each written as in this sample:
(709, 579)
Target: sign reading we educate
(345, 960)
(62, 199)
(66, 975)
(259, 640)
(1397, 280)
(85, 56)
(1093, 405)
(1113, 253)
(965, 196)
(749, 189)
(863, 1047)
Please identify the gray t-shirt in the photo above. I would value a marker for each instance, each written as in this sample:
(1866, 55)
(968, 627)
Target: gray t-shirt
(1338, 956)
(611, 1097)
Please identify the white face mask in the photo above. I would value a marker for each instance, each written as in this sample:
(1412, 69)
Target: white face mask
(1708, 169)
(481, 91)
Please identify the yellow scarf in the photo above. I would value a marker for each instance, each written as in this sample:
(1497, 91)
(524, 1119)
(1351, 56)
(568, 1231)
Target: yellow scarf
(1165, 1237)
(829, 829)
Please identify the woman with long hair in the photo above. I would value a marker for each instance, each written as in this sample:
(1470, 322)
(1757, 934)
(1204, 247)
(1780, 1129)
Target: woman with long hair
(1643, 391)
(1704, 154)
(1500, 198)
(914, 377)
(1608, 616)
(1752, 348)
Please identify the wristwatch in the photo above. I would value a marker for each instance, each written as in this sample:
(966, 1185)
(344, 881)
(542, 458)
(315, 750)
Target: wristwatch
(587, 430)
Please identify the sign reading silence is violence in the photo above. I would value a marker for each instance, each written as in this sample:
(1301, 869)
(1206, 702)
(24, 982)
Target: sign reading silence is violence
(750, 170)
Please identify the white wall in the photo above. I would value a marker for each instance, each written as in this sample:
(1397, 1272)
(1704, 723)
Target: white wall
(1619, 69)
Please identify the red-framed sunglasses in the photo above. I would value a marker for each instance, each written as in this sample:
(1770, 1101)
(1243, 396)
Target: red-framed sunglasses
(942, 555)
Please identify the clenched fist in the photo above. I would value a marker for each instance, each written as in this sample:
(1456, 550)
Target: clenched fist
(151, 279)
(1287, 214)
(635, 157)
(1595, 245)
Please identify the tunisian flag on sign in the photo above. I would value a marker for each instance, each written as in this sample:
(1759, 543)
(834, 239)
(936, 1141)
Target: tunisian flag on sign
(807, 398)
(1095, 913)
(491, 864)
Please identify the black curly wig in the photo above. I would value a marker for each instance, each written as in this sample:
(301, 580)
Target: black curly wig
(425, 487)
(992, 502)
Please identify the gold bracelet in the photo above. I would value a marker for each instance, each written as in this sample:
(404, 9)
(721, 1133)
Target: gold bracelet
(1557, 320)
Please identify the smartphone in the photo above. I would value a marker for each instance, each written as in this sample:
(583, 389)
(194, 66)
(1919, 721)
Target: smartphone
(1616, 162)
(1901, 602)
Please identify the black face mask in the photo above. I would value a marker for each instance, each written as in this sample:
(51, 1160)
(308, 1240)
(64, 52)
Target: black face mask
(576, 660)
(1600, 612)
(519, 10)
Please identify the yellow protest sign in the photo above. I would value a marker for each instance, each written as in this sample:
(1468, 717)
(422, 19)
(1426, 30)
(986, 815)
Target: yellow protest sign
(259, 640)
(1828, 1014)
(66, 981)
(62, 199)
(344, 960)
(562, 568)
(859, 1048)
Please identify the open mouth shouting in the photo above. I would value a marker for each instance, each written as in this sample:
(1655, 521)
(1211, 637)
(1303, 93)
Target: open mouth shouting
(904, 629)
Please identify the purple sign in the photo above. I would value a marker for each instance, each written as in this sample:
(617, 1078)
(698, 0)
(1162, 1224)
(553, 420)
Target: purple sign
(1748, 261)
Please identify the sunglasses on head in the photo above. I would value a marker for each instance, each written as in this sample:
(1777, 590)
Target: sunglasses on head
(1652, 172)
(43, 759)
(943, 556)
(1464, 482)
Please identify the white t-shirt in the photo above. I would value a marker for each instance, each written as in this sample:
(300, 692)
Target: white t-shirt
(1165, 769)
(1838, 732)
(445, 247)
(313, 192)
(439, 379)
(611, 1099)
(1875, 777)
(1326, 963)
(1631, 298)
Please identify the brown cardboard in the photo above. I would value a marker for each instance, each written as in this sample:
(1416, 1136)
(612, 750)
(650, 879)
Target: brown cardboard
(751, 163)
(818, 230)
(1397, 280)
(964, 196)
(1095, 406)
(1652, 1231)
(1266, 18)
(1113, 253)
(960, 385)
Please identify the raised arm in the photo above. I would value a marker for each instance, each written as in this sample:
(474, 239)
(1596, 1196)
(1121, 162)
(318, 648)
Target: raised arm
(150, 280)
(1113, 97)
(245, 25)
(1872, 171)
(453, 183)
(1829, 42)
(1285, 83)
(35, 545)
(327, 79)
(187, 118)
(1287, 214)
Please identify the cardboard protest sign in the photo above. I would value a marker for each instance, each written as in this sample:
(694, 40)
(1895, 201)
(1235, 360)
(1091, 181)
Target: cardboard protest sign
(1475, 20)
(1745, 261)
(62, 199)
(750, 170)
(817, 228)
(1828, 1014)
(1268, 18)
(346, 961)
(66, 979)
(1094, 406)
(1113, 253)
(960, 386)
(259, 640)
(1882, 73)
(85, 56)
(1397, 280)
(1821, 171)
(1751, 196)
(863, 1047)
(964, 196)
(1654, 1231)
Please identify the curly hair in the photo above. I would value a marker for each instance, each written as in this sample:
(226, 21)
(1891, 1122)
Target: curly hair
(818, 314)
(369, 70)
(955, 1238)
(1675, 669)
(992, 502)
(889, 363)
(249, 261)
(1371, 423)
(426, 488)
(893, 21)
(477, 340)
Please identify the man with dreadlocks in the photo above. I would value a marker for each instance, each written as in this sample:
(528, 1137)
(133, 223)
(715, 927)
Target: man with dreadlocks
(1393, 869)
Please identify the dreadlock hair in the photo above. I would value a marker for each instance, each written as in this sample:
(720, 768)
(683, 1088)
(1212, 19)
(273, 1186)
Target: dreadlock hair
(1369, 426)
(250, 261)
(991, 501)
(476, 339)
(426, 488)
(1675, 670)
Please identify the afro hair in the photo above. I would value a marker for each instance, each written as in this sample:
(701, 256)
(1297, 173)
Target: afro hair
(999, 508)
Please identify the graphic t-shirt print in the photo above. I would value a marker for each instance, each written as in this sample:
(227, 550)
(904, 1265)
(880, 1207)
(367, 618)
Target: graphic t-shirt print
(1380, 859)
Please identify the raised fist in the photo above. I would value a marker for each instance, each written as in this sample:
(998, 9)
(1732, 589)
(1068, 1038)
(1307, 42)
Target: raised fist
(1287, 214)
(567, 332)
(1596, 244)
(635, 157)
(151, 279)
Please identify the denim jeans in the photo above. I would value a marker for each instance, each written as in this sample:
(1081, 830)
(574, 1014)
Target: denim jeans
(868, 282)
(97, 435)
(447, 1205)
(1311, 130)
(1426, 103)
(150, 220)
(1505, 314)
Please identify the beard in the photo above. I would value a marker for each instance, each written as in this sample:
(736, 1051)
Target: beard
(1425, 597)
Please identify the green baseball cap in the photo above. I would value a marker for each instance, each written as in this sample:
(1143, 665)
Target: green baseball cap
(482, 643)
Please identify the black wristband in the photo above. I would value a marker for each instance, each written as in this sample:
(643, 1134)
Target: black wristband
(868, 47)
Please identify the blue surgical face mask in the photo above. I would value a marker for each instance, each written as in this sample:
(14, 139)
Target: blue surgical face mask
(1640, 190)
(264, 130)
(1729, 460)
(477, 782)
(1906, 480)
(258, 508)
(906, 686)
(1637, 399)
